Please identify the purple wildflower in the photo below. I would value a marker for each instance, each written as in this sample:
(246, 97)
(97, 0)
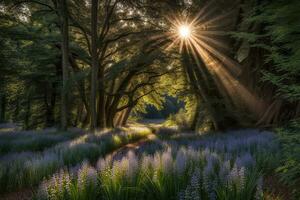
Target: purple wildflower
(86, 176)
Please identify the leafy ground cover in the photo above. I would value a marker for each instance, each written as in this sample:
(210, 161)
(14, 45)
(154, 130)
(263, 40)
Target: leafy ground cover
(289, 169)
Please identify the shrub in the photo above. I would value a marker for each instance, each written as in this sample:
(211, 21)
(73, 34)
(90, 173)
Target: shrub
(289, 168)
(179, 119)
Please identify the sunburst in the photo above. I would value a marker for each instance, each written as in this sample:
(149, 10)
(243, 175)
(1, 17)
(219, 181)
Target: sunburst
(184, 31)
(199, 36)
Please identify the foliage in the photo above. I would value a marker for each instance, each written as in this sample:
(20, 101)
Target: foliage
(289, 169)
(280, 21)
(179, 119)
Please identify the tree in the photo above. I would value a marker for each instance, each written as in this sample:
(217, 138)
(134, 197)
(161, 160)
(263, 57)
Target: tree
(243, 71)
(65, 63)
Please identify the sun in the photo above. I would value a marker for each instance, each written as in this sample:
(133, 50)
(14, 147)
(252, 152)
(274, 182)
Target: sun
(184, 31)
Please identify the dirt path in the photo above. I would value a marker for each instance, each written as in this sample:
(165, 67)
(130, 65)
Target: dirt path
(119, 153)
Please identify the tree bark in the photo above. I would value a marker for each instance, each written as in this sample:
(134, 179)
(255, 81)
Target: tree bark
(50, 102)
(2, 107)
(17, 109)
(65, 63)
(101, 100)
(126, 116)
(194, 125)
(110, 119)
(112, 110)
(95, 63)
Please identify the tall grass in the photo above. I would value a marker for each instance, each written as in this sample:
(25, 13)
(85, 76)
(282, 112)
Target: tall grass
(32, 140)
(28, 169)
(230, 167)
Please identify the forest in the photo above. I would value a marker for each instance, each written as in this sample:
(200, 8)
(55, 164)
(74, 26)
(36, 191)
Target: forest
(150, 99)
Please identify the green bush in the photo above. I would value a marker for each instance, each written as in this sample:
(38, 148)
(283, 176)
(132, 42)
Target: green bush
(179, 120)
(289, 169)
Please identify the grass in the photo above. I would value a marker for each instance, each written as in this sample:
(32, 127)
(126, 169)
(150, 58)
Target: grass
(230, 166)
(30, 168)
(32, 140)
(174, 165)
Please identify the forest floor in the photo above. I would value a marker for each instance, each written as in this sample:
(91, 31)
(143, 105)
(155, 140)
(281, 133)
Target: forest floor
(159, 138)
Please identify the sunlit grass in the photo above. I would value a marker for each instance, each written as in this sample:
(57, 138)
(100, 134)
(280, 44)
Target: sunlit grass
(28, 169)
(218, 167)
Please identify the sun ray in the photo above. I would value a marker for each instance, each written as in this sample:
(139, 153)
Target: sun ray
(203, 11)
(200, 31)
(173, 44)
(218, 18)
(197, 60)
(213, 42)
(203, 41)
(236, 90)
(234, 67)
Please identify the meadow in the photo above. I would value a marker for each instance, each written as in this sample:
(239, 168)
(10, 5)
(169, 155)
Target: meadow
(229, 166)
(28, 168)
(168, 165)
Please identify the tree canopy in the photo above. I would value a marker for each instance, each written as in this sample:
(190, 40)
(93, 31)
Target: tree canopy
(95, 63)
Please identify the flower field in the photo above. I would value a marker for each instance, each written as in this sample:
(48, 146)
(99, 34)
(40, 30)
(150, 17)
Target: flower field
(29, 168)
(221, 166)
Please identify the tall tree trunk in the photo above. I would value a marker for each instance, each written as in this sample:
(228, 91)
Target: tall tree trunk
(194, 125)
(101, 100)
(85, 118)
(110, 119)
(65, 63)
(126, 116)
(79, 114)
(119, 118)
(95, 63)
(50, 107)
(17, 109)
(112, 109)
(2, 107)
(28, 112)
